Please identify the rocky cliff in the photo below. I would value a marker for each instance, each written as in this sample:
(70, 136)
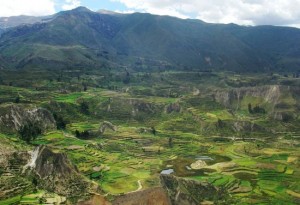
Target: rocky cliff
(280, 102)
(229, 98)
(13, 117)
(56, 173)
(191, 192)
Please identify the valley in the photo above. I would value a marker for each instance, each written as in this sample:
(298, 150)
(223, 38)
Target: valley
(120, 136)
(106, 108)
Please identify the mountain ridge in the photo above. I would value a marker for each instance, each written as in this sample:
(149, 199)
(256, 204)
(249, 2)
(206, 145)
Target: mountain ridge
(144, 41)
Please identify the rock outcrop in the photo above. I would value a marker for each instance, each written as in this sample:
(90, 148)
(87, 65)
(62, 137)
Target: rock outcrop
(269, 94)
(191, 192)
(280, 101)
(199, 164)
(242, 126)
(56, 173)
(106, 125)
(173, 107)
(13, 117)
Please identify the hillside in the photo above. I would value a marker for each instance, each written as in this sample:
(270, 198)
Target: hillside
(81, 38)
(123, 109)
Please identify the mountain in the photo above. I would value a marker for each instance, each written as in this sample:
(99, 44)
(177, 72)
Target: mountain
(81, 38)
(13, 21)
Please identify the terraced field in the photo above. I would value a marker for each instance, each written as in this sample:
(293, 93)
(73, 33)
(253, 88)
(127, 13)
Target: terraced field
(172, 125)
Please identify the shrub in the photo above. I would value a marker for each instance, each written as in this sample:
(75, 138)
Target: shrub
(82, 135)
(29, 132)
(60, 122)
(84, 107)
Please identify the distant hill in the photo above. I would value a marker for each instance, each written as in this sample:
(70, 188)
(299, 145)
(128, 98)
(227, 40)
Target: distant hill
(9, 22)
(81, 38)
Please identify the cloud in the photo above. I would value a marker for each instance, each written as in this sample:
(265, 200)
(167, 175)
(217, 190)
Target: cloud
(23, 7)
(71, 4)
(246, 12)
(35, 7)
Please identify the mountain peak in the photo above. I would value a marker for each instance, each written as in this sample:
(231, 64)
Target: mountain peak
(81, 9)
(103, 11)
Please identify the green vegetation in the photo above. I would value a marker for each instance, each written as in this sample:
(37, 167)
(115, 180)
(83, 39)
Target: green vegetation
(29, 132)
(124, 100)
(128, 43)
(172, 124)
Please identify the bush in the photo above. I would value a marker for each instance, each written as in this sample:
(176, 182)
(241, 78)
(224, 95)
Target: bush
(82, 135)
(17, 100)
(60, 122)
(29, 132)
(256, 109)
(84, 107)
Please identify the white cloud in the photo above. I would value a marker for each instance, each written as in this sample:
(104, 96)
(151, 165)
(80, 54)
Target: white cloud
(71, 4)
(23, 7)
(35, 7)
(124, 11)
(246, 12)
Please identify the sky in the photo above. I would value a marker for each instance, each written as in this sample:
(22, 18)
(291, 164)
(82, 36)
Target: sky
(243, 12)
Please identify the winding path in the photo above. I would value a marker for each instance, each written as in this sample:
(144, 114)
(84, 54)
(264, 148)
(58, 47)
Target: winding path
(140, 185)
(139, 188)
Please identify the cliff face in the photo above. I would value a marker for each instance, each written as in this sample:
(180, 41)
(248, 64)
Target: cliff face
(56, 173)
(281, 102)
(190, 192)
(52, 165)
(13, 117)
(269, 94)
(240, 126)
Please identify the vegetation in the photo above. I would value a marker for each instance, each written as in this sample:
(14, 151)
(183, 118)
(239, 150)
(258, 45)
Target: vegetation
(132, 40)
(29, 132)
(256, 109)
(166, 113)
(82, 135)
(157, 131)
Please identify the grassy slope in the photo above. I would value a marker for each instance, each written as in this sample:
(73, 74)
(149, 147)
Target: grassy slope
(81, 38)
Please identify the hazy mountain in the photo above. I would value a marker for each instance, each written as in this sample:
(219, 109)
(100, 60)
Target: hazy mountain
(9, 22)
(82, 38)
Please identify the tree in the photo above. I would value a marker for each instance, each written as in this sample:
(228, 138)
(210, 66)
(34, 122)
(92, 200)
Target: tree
(17, 100)
(250, 108)
(220, 123)
(29, 132)
(170, 141)
(77, 134)
(258, 109)
(60, 122)
(82, 135)
(84, 107)
(153, 130)
(85, 88)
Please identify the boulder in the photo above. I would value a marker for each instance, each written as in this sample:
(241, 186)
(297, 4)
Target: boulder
(199, 164)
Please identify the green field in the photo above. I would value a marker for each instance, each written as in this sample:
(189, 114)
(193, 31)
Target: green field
(170, 122)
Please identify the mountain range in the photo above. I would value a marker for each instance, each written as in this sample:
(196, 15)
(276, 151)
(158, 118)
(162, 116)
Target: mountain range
(81, 38)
